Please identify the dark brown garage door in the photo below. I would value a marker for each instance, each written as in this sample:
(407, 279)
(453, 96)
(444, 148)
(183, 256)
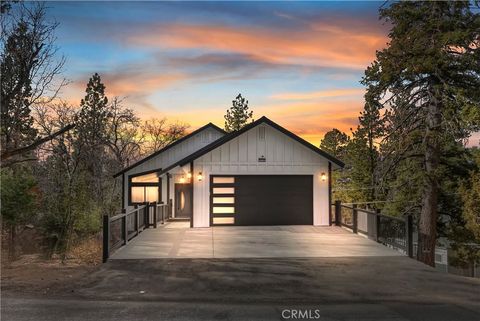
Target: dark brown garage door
(262, 200)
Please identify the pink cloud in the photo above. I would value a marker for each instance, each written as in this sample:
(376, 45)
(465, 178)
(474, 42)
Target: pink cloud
(358, 92)
(319, 45)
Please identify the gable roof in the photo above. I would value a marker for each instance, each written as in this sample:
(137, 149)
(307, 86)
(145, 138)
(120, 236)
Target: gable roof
(178, 141)
(230, 136)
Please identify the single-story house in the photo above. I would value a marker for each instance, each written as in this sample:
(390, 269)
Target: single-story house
(262, 174)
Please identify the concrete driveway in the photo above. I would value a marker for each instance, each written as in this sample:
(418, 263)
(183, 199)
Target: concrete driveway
(351, 281)
(178, 240)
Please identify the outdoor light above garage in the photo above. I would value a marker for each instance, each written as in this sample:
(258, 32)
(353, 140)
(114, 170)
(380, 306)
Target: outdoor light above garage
(323, 176)
(199, 176)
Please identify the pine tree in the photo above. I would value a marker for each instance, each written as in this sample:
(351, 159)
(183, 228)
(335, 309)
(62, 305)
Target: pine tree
(238, 115)
(426, 79)
(30, 67)
(334, 142)
(16, 90)
(371, 128)
(92, 131)
(92, 119)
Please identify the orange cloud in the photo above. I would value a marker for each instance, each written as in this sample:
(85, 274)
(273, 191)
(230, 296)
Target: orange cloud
(126, 84)
(320, 94)
(308, 120)
(320, 45)
(312, 119)
(136, 86)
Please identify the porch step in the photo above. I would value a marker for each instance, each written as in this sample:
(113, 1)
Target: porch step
(178, 219)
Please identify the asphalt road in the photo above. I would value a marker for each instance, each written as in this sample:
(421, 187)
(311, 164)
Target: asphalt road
(381, 288)
(81, 310)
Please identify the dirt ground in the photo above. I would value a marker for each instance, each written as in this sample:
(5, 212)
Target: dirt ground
(32, 274)
(35, 275)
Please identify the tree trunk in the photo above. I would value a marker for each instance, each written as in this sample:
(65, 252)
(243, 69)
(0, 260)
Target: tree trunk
(427, 231)
(372, 167)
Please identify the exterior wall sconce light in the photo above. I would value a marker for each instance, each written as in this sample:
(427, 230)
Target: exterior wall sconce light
(199, 176)
(182, 179)
(189, 175)
(323, 177)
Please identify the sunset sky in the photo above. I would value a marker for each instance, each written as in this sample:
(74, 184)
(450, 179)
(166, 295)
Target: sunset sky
(298, 63)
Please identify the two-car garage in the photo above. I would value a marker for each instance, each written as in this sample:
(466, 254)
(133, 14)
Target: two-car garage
(261, 200)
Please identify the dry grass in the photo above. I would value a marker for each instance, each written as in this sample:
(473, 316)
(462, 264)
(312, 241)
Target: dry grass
(88, 251)
(34, 273)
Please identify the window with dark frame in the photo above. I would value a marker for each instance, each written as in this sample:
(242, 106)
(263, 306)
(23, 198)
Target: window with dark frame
(144, 188)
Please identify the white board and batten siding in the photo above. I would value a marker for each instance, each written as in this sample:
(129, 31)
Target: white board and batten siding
(283, 156)
(171, 156)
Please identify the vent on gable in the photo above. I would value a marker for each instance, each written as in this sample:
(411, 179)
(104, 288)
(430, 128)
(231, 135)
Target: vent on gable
(261, 133)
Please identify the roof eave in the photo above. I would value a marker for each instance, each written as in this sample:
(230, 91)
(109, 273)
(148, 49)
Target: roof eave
(263, 119)
(169, 146)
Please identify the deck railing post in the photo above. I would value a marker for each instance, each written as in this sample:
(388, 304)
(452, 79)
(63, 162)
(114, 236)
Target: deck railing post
(164, 207)
(355, 219)
(338, 213)
(377, 224)
(125, 228)
(409, 235)
(106, 238)
(155, 214)
(137, 221)
(146, 215)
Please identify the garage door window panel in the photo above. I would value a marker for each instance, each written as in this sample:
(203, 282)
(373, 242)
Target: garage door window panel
(223, 190)
(223, 210)
(223, 220)
(223, 180)
(223, 200)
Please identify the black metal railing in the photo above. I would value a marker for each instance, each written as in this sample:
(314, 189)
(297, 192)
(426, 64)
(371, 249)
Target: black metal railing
(391, 231)
(118, 230)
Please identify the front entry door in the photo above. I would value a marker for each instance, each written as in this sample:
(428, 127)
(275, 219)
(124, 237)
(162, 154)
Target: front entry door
(183, 201)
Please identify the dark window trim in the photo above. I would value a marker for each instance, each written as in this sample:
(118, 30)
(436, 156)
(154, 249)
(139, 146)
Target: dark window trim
(193, 187)
(157, 170)
(146, 184)
(329, 193)
(123, 191)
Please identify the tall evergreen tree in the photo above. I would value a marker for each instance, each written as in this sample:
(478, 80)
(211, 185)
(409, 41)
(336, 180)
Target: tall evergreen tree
(427, 78)
(18, 198)
(464, 229)
(92, 118)
(334, 142)
(238, 115)
(29, 68)
(92, 131)
(17, 123)
(371, 128)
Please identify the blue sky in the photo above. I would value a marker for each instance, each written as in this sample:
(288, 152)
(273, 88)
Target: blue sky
(298, 63)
